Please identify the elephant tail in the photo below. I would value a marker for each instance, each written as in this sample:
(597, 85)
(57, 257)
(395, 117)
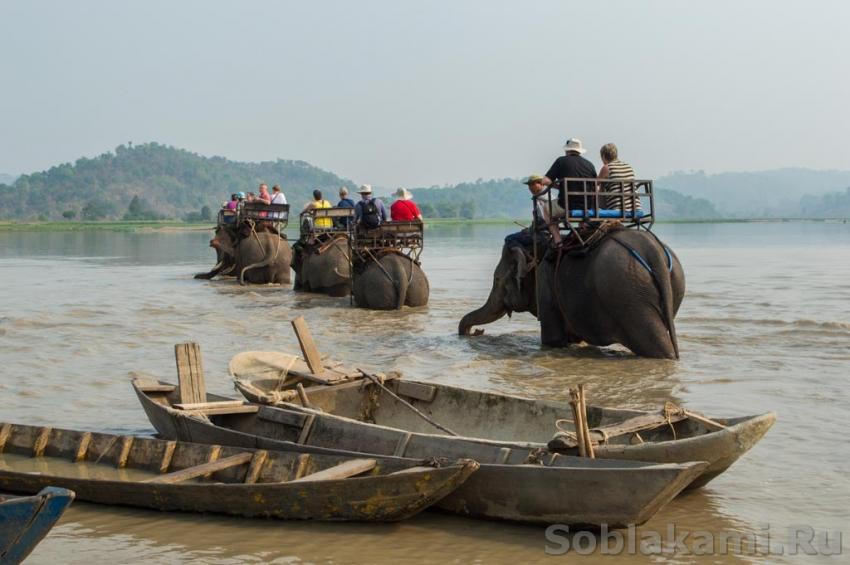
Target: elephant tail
(401, 286)
(661, 268)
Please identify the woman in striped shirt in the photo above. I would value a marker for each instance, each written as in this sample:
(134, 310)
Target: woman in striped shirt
(616, 170)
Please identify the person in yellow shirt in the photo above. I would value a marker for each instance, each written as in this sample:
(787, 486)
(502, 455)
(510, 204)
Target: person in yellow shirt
(319, 203)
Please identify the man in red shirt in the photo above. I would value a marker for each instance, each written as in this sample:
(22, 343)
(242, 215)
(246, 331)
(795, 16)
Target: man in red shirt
(404, 209)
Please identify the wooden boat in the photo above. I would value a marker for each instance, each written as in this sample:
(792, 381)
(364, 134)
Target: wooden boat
(25, 520)
(171, 475)
(515, 483)
(670, 436)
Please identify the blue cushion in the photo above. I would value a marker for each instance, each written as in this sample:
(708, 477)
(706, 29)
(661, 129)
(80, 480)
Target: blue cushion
(605, 213)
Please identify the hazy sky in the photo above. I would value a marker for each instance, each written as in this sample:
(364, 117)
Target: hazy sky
(403, 93)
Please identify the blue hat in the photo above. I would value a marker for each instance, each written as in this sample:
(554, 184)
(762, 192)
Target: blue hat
(241, 195)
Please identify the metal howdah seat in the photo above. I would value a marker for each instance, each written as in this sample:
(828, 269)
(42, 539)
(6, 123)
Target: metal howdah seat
(262, 212)
(341, 220)
(406, 237)
(631, 201)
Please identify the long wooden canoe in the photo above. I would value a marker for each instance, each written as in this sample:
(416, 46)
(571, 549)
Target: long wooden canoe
(182, 476)
(25, 520)
(514, 484)
(513, 422)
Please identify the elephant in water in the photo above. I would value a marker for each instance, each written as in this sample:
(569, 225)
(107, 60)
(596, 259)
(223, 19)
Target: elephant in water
(324, 267)
(390, 282)
(258, 257)
(626, 290)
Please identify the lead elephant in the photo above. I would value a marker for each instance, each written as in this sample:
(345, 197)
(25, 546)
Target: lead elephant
(626, 290)
(390, 282)
(323, 267)
(258, 257)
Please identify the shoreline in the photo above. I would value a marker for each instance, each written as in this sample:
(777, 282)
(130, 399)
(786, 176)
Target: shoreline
(176, 226)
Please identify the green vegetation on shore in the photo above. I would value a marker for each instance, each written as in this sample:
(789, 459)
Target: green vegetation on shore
(154, 182)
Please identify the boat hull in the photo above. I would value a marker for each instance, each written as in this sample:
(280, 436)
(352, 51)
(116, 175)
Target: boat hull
(26, 520)
(512, 484)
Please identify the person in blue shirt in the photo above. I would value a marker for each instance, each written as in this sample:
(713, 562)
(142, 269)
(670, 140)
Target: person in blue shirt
(344, 202)
(369, 212)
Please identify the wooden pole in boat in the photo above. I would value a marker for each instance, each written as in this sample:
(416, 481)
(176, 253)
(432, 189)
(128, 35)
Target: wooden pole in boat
(585, 428)
(574, 404)
(375, 380)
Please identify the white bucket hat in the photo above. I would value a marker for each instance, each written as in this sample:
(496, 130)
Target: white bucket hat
(403, 194)
(574, 144)
(365, 189)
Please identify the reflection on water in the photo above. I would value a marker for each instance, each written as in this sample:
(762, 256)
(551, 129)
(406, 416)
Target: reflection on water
(765, 325)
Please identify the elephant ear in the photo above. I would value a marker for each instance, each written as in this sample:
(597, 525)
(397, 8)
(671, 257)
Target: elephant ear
(520, 264)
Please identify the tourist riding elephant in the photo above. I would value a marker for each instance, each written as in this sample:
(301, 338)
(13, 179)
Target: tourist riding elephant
(258, 256)
(390, 282)
(626, 290)
(323, 268)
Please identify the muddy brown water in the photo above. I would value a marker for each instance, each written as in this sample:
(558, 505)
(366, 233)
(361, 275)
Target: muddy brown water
(765, 325)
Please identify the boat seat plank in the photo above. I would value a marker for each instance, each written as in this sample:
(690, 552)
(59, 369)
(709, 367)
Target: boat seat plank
(256, 466)
(204, 469)
(156, 388)
(202, 405)
(342, 471)
(419, 391)
(243, 409)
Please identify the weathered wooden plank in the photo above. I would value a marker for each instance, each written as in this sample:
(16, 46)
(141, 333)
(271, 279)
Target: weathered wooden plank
(504, 454)
(204, 469)
(243, 409)
(308, 427)
(5, 432)
(41, 442)
(256, 466)
(167, 455)
(153, 388)
(285, 417)
(215, 451)
(83, 447)
(301, 467)
(417, 469)
(202, 405)
(126, 444)
(190, 372)
(308, 347)
(418, 391)
(636, 424)
(345, 470)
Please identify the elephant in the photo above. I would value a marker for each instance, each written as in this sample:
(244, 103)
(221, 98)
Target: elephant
(389, 282)
(324, 267)
(256, 256)
(627, 290)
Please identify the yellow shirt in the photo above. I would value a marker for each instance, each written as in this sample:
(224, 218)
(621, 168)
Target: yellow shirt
(323, 222)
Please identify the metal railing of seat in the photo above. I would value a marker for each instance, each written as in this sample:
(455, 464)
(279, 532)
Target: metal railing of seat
(326, 222)
(590, 200)
(406, 237)
(261, 212)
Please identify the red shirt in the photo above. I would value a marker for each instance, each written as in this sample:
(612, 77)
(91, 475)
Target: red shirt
(404, 211)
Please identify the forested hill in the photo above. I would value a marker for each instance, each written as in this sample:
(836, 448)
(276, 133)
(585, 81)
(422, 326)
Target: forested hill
(167, 183)
(154, 181)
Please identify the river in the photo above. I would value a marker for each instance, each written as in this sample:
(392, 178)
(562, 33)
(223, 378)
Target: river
(765, 325)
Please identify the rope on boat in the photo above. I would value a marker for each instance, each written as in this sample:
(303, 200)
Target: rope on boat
(377, 381)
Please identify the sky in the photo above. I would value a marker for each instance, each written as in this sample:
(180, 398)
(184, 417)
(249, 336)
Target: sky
(417, 94)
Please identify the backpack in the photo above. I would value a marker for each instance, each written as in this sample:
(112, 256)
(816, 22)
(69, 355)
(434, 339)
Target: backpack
(370, 218)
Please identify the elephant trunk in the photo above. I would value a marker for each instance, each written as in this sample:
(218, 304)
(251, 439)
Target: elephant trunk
(669, 314)
(492, 310)
(401, 289)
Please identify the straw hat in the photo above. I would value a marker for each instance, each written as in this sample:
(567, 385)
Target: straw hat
(403, 194)
(532, 178)
(574, 144)
(365, 189)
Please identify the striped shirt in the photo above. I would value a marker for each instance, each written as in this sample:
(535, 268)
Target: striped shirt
(620, 171)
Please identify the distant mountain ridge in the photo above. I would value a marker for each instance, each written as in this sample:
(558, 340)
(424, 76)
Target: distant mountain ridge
(779, 193)
(153, 181)
(6, 178)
